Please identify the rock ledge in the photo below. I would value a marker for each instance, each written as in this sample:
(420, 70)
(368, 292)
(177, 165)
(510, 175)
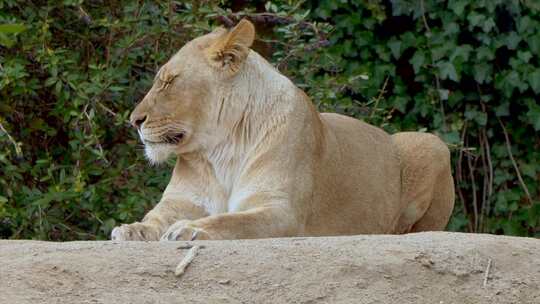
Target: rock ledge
(416, 268)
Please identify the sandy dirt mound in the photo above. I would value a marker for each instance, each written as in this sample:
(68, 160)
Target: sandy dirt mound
(417, 268)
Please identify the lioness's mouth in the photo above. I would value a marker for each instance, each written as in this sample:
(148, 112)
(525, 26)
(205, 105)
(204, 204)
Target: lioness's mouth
(171, 139)
(175, 138)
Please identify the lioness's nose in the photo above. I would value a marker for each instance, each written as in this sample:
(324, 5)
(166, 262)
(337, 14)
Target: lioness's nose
(137, 121)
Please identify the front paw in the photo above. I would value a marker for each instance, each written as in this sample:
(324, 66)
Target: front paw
(185, 230)
(134, 232)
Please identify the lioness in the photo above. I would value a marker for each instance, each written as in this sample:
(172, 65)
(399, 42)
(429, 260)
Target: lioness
(256, 160)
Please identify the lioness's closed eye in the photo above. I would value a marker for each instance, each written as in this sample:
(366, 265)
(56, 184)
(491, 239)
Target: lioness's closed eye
(255, 159)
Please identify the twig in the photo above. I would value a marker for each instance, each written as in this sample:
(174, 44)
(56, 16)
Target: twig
(490, 165)
(488, 176)
(98, 144)
(379, 97)
(484, 179)
(518, 173)
(189, 246)
(226, 21)
(424, 16)
(108, 110)
(486, 274)
(459, 177)
(84, 16)
(487, 151)
(272, 20)
(262, 18)
(16, 145)
(473, 182)
(188, 258)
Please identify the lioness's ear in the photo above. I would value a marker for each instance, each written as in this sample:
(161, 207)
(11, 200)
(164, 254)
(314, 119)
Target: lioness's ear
(232, 48)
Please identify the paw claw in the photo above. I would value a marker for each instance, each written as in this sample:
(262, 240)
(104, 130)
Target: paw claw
(184, 231)
(134, 232)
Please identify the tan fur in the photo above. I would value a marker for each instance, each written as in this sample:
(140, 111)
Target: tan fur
(256, 159)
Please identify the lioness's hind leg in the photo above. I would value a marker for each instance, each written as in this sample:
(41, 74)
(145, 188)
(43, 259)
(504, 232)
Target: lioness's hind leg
(439, 212)
(427, 184)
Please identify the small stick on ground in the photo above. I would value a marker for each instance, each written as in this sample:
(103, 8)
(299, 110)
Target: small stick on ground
(190, 255)
(189, 246)
(486, 274)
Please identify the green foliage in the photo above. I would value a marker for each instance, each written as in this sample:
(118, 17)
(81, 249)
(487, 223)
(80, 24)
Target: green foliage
(466, 70)
(72, 70)
(70, 165)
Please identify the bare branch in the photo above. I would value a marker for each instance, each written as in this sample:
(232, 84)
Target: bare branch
(422, 6)
(459, 177)
(516, 168)
(226, 21)
(473, 183)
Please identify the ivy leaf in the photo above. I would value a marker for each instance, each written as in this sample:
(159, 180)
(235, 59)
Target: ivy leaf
(512, 40)
(447, 71)
(482, 73)
(524, 56)
(417, 60)
(475, 115)
(443, 94)
(462, 51)
(483, 53)
(524, 24)
(481, 118)
(451, 137)
(503, 109)
(528, 169)
(400, 103)
(409, 40)
(457, 6)
(534, 81)
(475, 19)
(534, 43)
(401, 8)
(441, 51)
(455, 98)
(534, 114)
(451, 28)
(507, 82)
(395, 47)
(488, 25)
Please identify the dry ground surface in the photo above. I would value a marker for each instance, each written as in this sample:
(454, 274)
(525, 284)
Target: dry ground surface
(416, 268)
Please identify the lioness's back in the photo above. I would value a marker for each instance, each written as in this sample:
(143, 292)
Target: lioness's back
(358, 177)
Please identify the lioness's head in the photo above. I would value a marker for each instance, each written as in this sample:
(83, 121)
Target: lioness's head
(175, 115)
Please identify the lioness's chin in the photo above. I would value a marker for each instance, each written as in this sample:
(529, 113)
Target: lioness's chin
(158, 153)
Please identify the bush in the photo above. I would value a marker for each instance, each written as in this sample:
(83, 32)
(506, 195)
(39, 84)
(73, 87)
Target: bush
(72, 71)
